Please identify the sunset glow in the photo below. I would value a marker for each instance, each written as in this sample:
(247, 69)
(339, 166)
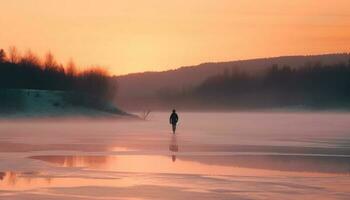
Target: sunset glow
(153, 35)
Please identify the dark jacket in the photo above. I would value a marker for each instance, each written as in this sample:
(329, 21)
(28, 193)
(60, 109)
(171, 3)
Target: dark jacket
(173, 118)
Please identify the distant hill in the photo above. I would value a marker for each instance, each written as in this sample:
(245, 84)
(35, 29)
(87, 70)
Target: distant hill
(139, 86)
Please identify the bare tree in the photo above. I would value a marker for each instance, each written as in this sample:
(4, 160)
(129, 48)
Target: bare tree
(30, 59)
(50, 62)
(14, 55)
(2, 56)
(71, 69)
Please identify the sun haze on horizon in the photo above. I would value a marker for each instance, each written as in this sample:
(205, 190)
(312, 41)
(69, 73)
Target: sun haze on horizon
(153, 35)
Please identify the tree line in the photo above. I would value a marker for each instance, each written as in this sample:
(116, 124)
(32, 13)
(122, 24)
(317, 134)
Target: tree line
(28, 71)
(314, 86)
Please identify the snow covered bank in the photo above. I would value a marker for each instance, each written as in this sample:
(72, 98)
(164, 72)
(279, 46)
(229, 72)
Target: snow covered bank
(47, 103)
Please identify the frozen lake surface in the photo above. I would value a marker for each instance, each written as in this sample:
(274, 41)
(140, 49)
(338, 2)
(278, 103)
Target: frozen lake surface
(212, 156)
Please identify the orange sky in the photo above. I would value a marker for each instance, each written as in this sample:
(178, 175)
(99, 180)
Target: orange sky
(142, 35)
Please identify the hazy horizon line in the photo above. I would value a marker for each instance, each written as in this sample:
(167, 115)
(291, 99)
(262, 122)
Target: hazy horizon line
(228, 61)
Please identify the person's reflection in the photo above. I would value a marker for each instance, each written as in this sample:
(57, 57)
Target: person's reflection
(173, 147)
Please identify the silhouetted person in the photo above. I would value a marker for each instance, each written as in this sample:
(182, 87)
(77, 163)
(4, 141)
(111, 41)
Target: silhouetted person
(174, 118)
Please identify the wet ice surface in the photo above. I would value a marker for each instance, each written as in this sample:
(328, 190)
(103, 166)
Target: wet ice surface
(213, 156)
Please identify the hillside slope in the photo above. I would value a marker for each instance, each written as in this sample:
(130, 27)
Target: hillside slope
(139, 90)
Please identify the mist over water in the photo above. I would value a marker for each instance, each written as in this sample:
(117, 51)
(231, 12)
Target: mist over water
(248, 155)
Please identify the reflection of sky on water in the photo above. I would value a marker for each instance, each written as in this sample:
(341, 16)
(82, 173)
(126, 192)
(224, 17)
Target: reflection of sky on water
(110, 185)
(235, 156)
(248, 165)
